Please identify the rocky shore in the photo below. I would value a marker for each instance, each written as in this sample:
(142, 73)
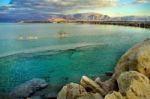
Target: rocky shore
(130, 80)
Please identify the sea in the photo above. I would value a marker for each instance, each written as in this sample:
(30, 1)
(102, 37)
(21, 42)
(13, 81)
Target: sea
(61, 53)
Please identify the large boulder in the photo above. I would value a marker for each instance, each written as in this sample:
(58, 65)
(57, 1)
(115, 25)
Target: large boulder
(114, 95)
(76, 91)
(132, 85)
(71, 91)
(91, 85)
(91, 96)
(28, 88)
(107, 86)
(136, 58)
(131, 79)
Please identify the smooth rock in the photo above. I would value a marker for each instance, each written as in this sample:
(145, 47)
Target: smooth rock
(127, 79)
(93, 86)
(114, 95)
(107, 86)
(91, 96)
(28, 88)
(136, 58)
(71, 91)
(132, 85)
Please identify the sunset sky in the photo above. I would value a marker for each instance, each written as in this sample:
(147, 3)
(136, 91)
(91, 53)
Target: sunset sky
(46, 7)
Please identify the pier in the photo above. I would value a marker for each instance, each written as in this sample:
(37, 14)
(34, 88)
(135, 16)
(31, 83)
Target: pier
(142, 24)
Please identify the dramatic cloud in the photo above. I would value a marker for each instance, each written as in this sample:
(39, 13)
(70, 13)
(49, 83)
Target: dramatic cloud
(58, 6)
(48, 7)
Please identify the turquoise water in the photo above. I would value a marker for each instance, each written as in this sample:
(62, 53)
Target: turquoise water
(88, 50)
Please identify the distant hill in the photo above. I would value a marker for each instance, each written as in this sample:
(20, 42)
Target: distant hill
(78, 16)
(101, 17)
(88, 17)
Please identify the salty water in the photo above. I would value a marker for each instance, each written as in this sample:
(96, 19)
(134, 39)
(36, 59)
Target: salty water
(88, 50)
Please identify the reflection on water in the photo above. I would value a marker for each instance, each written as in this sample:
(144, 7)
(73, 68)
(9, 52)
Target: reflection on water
(28, 38)
(35, 51)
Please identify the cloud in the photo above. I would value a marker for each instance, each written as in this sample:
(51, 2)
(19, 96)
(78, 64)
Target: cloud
(142, 1)
(59, 6)
(48, 7)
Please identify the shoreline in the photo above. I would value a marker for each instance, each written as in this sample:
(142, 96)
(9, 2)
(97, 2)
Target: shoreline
(114, 23)
(140, 24)
(125, 76)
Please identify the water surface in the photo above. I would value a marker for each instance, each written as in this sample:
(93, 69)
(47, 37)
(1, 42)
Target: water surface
(88, 50)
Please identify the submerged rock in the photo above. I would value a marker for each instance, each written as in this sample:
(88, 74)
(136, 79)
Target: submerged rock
(28, 88)
(35, 97)
(50, 96)
(71, 91)
(132, 85)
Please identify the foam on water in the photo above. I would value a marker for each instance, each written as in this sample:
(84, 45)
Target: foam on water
(51, 49)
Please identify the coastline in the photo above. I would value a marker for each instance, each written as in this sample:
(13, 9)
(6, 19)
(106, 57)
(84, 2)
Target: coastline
(140, 24)
(126, 81)
(84, 58)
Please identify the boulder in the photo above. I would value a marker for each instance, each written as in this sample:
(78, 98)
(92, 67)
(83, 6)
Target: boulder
(91, 85)
(71, 91)
(28, 88)
(129, 80)
(114, 95)
(107, 85)
(136, 58)
(132, 85)
(91, 96)
(76, 91)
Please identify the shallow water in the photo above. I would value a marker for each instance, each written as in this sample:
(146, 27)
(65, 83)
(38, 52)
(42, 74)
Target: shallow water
(88, 50)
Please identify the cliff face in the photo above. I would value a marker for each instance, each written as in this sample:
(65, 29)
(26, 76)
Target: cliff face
(131, 79)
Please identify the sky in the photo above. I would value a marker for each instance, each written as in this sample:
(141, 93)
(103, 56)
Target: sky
(112, 8)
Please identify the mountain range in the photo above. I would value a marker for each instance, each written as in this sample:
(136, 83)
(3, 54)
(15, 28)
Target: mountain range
(78, 16)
